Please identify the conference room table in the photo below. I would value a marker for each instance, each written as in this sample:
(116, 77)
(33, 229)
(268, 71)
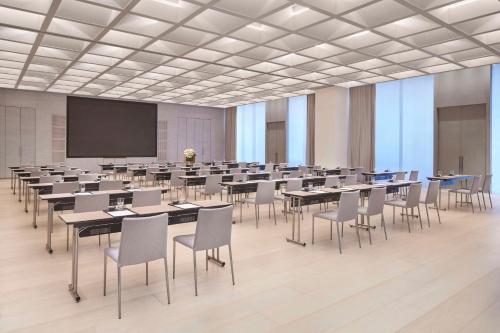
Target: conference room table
(301, 198)
(100, 222)
(330, 172)
(21, 168)
(66, 201)
(446, 181)
(381, 175)
(21, 172)
(46, 188)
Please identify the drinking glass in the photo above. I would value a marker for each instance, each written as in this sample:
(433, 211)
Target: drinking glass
(440, 173)
(452, 172)
(82, 188)
(310, 186)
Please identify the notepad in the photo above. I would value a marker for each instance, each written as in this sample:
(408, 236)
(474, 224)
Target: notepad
(134, 189)
(82, 193)
(317, 191)
(118, 213)
(186, 206)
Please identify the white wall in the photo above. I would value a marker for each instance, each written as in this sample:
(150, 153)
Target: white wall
(332, 125)
(47, 104)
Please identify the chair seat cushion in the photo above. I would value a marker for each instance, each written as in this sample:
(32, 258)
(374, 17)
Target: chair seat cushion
(113, 253)
(397, 203)
(330, 215)
(186, 240)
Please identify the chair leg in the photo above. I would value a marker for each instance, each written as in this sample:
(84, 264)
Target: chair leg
(99, 239)
(369, 229)
(285, 210)
(338, 238)
(67, 238)
(383, 225)
(256, 217)
(479, 202)
(173, 262)
(331, 230)
(427, 213)
(419, 217)
(274, 213)
(231, 262)
(484, 202)
(109, 240)
(105, 269)
(147, 274)
(448, 200)
(408, 220)
(471, 203)
(206, 260)
(312, 232)
(491, 202)
(357, 230)
(166, 279)
(195, 274)
(119, 293)
(393, 214)
(269, 210)
(437, 210)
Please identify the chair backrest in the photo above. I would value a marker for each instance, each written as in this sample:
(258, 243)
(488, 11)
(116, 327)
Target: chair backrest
(413, 198)
(143, 239)
(213, 228)
(303, 169)
(242, 165)
(235, 170)
(486, 187)
(331, 181)
(50, 179)
(432, 192)
(239, 177)
(212, 184)
(376, 201)
(91, 203)
(39, 173)
(296, 174)
(265, 192)
(146, 197)
(413, 175)
(223, 167)
(149, 175)
(350, 180)
(32, 169)
(344, 171)
(276, 175)
(476, 183)
(87, 177)
(254, 169)
(204, 172)
(269, 167)
(174, 177)
(65, 187)
(107, 185)
(283, 165)
(293, 184)
(72, 172)
(358, 171)
(348, 206)
(400, 175)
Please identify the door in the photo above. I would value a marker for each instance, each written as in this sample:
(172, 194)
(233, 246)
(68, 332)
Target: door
(276, 142)
(462, 139)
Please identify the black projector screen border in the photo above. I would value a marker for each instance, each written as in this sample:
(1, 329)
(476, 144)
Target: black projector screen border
(110, 128)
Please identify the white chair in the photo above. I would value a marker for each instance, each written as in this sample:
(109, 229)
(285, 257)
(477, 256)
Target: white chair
(142, 240)
(296, 174)
(431, 197)
(212, 186)
(413, 176)
(264, 196)
(350, 180)
(292, 184)
(412, 201)
(87, 177)
(400, 176)
(146, 197)
(150, 176)
(486, 188)
(344, 171)
(50, 179)
(331, 181)
(73, 172)
(175, 181)
(375, 207)
(283, 165)
(269, 167)
(348, 210)
(38, 173)
(109, 185)
(235, 170)
(276, 175)
(237, 177)
(468, 192)
(359, 174)
(204, 172)
(213, 230)
(92, 203)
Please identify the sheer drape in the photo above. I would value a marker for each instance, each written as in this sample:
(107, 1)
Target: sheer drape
(297, 130)
(495, 127)
(361, 126)
(251, 132)
(230, 134)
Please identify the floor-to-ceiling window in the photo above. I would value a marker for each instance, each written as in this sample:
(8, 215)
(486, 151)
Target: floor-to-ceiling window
(251, 132)
(297, 130)
(495, 127)
(404, 125)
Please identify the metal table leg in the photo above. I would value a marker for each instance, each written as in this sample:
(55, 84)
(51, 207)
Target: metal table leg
(50, 222)
(73, 287)
(26, 197)
(15, 176)
(35, 206)
(19, 188)
(296, 202)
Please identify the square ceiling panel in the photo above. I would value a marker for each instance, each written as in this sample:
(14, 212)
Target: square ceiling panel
(251, 9)
(170, 11)
(142, 25)
(379, 13)
(295, 17)
(216, 21)
(258, 33)
(189, 36)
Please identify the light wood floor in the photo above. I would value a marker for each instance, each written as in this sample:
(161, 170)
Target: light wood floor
(443, 279)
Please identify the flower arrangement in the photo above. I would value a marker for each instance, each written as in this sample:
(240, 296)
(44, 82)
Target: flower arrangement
(189, 154)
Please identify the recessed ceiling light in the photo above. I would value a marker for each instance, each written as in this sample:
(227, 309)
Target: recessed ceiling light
(173, 3)
(296, 9)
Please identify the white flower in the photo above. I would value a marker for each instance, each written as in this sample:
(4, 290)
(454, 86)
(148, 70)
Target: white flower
(189, 153)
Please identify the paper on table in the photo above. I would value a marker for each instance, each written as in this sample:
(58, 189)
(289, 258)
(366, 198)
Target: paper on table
(186, 206)
(82, 193)
(116, 213)
(317, 191)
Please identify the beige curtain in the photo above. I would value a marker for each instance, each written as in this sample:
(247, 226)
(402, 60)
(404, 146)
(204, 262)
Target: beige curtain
(230, 149)
(310, 130)
(361, 126)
